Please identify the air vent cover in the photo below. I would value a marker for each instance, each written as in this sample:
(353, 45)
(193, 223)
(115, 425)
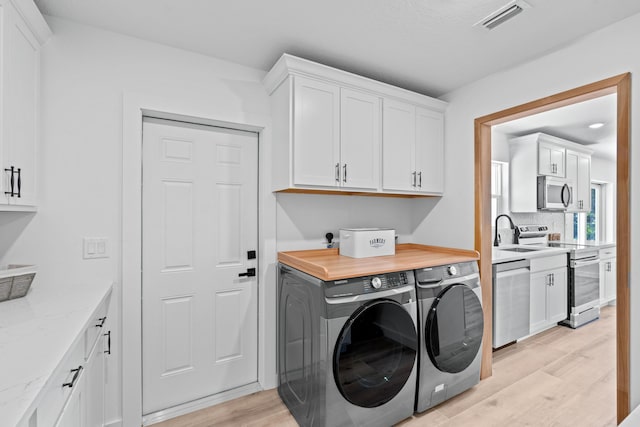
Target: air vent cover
(503, 14)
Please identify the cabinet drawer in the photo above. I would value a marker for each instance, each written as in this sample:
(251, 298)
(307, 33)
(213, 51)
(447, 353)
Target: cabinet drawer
(55, 394)
(94, 329)
(608, 253)
(548, 263)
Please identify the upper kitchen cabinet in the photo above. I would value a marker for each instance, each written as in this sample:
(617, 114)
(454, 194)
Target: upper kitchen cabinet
(551, 158)
(413, 149)
(330, 126)
(23, 31)
(579, 177)
(567, 162)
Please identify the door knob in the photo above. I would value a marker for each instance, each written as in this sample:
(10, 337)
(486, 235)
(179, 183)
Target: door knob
(249, 273)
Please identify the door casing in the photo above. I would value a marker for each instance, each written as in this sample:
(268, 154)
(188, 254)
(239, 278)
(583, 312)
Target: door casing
(620, 85)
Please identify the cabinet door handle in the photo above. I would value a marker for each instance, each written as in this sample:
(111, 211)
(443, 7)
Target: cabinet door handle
(553, 279)
(420, 179)
(337, 172)
(548, 279)
(11, 181)
(344, 170)
(76, 374)
(101, 321)
(19, 182)
(413, 181)
(108, 335)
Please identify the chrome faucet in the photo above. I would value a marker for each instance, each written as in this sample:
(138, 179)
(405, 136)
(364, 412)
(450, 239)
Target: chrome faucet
(516, 238)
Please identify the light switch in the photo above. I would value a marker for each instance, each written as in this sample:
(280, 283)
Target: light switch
(95, 247)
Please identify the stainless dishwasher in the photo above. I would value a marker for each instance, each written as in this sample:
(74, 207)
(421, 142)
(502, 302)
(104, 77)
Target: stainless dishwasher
(511, 291)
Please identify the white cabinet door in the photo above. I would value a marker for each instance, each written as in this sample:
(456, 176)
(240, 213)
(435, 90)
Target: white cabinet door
(20, 87)
(316, 130)
(572, 177)
(398, 146)
(95, 380)
(557, 296)
(551, 160)
(583, 190)
(429, 151)
(538, 301)
(359, 140)
(74, 414)
(610, 280)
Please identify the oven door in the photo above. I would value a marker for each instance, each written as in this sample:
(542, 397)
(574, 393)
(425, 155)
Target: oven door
(585, 283)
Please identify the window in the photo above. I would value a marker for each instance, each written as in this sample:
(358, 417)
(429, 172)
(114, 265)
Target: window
(499, 189)
(590, 225)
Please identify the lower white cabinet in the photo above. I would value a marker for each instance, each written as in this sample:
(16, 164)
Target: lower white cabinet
(548, 297)
(607, 275)
(75, 397)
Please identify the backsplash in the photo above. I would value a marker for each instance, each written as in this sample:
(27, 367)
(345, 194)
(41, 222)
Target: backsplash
(553, 220)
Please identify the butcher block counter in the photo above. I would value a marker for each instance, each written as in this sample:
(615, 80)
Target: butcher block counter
(328, 264)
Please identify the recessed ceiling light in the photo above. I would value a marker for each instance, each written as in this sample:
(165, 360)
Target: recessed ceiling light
(596, 125)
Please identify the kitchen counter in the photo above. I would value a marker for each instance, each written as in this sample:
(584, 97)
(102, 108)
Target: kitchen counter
(35, 334)
(500, 254)
(594, 243)
(328, 264)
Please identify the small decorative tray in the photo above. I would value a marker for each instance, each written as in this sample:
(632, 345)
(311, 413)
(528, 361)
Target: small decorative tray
(15, 281)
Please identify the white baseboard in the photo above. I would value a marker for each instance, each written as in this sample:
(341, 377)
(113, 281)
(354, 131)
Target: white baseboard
(115, 423)
(196, 405)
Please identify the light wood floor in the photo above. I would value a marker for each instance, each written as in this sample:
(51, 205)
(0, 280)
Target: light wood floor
(561, 377)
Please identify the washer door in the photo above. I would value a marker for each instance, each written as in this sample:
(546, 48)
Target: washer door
(453, 331)
(375, 353)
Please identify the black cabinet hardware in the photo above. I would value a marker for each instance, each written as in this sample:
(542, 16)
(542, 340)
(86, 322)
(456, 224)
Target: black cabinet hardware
(251, 254)
(250, 273)
(76, 374)
(108, 335)
(101, 321)
(11, 181)
(19, 182)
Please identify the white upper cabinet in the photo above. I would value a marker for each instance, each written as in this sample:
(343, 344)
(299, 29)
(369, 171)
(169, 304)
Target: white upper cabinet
(579, 176)
(359, 140)
(339, 132)
(316, 132)
(22, 33)
(550, 159)
(399, 146)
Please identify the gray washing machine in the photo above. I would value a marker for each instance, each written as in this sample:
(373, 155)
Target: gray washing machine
(347, 349)
(450, 332)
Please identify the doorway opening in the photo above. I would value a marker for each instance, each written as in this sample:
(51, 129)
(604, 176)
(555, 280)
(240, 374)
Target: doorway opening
(619, 85)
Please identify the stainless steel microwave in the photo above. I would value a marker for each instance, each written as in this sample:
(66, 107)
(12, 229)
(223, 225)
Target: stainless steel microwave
(554, 194)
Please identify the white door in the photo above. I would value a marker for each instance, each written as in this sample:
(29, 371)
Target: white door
(557, 296)
(199, 314)
(359, 139)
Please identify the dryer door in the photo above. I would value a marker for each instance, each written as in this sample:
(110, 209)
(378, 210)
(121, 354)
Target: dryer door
(375, 353)
(453, 330)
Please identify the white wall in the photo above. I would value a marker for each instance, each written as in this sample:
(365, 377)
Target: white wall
(604, 171)
(85, 73)
(594, 57)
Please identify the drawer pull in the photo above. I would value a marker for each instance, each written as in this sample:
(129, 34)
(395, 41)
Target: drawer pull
(108, 335)
(76, 374)
(101, 322)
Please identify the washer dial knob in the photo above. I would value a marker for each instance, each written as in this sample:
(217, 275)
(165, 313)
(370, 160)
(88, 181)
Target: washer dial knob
(452, 270)
(376, 282)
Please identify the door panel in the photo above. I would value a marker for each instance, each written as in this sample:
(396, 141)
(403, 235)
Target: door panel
(359, 139)
(398, 144)
(199, 221)
(429, 151)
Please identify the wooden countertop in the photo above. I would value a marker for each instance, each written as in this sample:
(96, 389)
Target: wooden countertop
(328, 264)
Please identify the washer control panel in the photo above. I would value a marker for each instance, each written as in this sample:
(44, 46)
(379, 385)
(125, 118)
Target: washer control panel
(369, 284)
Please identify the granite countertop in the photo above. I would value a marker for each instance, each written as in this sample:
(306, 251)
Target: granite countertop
(35, 334)
(502, 254)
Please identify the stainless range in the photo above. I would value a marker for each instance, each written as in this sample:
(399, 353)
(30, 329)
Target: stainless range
(584, 284)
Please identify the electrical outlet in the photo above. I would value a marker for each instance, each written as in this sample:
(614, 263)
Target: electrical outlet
(95, 247)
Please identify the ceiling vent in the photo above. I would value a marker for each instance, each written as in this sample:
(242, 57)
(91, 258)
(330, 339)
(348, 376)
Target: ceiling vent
(503, 14)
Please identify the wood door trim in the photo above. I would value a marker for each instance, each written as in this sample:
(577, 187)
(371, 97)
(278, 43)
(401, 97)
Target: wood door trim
(621, 85)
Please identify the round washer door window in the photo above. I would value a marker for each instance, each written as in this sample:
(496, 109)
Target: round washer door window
(453, 331)
(375, 353)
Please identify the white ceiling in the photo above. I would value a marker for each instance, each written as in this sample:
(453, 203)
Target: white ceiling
(572, 123)
(428, 46)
